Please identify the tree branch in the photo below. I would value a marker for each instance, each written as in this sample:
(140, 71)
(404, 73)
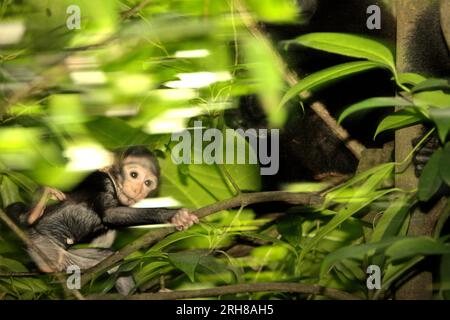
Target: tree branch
(292, 79)
(313, 289)
(243, 199)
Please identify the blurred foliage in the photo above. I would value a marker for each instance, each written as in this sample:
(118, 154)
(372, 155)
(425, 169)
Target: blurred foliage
(420, 100)
(70, 97)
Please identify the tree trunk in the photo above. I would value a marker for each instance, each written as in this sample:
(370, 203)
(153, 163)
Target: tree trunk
(419, 286)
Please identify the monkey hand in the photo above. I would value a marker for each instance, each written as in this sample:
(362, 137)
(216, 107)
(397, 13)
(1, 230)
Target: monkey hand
(183, 219)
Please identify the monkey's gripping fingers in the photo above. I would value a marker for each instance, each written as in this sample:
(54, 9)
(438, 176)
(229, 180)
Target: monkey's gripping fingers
(55, 194)
(183, 219)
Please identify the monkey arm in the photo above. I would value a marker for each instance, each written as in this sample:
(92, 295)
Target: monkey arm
(126, 216)
(113, 213)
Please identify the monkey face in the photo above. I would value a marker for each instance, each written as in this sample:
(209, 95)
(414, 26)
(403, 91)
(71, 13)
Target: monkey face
(137, 180)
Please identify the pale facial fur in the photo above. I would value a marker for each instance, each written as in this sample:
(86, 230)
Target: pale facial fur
(137, 180)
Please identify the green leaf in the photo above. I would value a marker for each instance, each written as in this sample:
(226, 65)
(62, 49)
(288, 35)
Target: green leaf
(441, 118)
(431, 84)
(211, 265)
(363, 196)
(441, 222)
(395, 271)
(186, 261)
(352, 270)
(114, 133)
(326, 76)
(23, 181)
(417, 246)
(444, 166)
(268, 79)
(150, 271)
(410, 78)
(430, 180)
(11, 265)
(9, 192)
(275, 11)
(128, 266)
(347, 187)
(349, 45)
(340, 217)
(392, 219)
(380, 102)
(399, 119)
(205, 184)
(291, 229)
(438, 99)
(170, 239)
(267, 238)
(351, 252)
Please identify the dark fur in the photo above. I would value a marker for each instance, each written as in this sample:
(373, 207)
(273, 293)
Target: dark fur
(92, 209)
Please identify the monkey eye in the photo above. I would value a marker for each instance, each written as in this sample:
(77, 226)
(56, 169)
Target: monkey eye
(134, 174)
(148, 183)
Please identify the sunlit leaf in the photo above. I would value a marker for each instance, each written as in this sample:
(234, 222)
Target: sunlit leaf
(268, 79)
(437, 98)
(365, 194)
(273, 10)
(392, 219)
(23, 181)
(371, 103)
(267, 238)
(326, 76)
(431, 84)
(114, 133)
(349, 45)
(397, 120)
(9, 192)
(410, 78)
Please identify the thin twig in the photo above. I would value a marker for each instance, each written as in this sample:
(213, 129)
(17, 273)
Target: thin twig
(230, 178)
(30, 274)
(243, 199)
(309, 289)
(129, 13)
(20, 274)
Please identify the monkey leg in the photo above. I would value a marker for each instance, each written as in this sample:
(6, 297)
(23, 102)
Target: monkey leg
(61, 258)
(105, 240)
